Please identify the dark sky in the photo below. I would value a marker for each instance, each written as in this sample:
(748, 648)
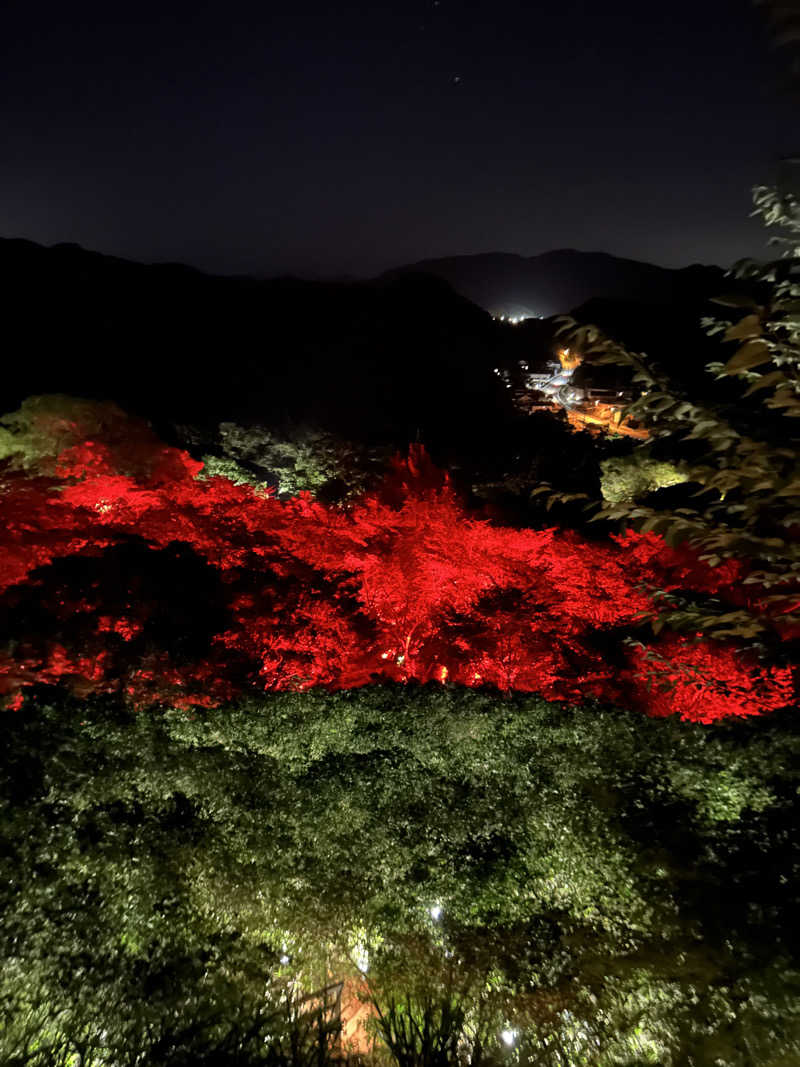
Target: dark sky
(332, 138)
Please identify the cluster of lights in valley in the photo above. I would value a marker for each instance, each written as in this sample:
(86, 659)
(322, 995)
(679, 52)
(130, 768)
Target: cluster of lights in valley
(515, 319)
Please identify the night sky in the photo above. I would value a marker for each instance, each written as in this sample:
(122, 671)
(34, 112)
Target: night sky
(328, 139)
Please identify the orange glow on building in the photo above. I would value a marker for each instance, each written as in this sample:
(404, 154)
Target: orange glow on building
(568, 359)
(604, 418)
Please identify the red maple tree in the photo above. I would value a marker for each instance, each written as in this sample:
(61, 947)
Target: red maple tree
(402, 585)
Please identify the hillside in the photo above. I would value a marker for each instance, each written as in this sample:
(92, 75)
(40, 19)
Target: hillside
(391, 359)
(556, 282)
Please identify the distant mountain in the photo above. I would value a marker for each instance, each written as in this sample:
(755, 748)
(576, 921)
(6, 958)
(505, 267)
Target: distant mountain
(556, 282)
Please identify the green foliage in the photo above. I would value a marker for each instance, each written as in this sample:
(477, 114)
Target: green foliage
(301, 459)
(32, 436)
(190, 862)
(625, 478)
(196, 1026)
(741, 458)
(224, 467)
(690, 1019)
(724, 794)
(430, 1031)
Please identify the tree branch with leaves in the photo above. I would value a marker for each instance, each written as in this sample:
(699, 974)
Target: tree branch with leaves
(740, 458)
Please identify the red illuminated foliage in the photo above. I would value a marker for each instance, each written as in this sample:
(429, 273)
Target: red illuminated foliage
(704, 682)
(403, 585)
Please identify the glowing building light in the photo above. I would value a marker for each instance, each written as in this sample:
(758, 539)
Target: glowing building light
(508, 1037)
(436, 912)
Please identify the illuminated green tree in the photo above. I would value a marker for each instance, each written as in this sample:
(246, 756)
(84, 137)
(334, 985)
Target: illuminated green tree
(181, 863)
(295, 460)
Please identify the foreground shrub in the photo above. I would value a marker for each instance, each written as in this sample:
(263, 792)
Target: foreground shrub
(579, 869)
